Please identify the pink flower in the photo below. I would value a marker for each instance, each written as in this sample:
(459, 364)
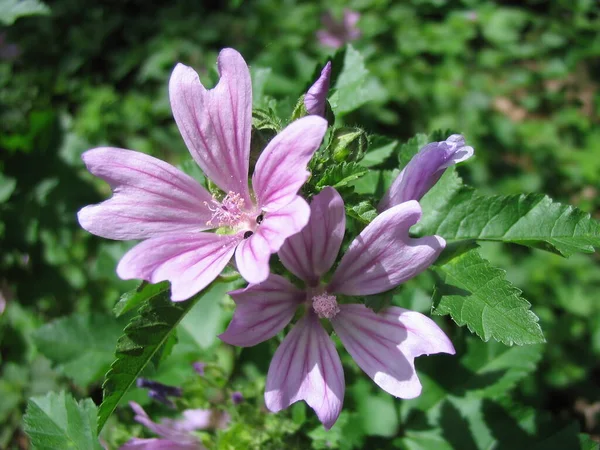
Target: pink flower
(425, 169)
(315, 99)
(176, 434)
(306, 365)
(153, 200)
(336, 33)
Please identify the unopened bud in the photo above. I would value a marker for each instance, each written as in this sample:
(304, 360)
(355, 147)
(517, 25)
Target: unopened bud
(348, 144)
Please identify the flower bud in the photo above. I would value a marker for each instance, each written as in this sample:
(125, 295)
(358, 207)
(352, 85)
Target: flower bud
(348, 144)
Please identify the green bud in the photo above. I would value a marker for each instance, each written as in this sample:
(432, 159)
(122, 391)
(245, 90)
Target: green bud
(348, 144)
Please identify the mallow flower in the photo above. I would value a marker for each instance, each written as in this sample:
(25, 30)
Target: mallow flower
(336, 33)
(306, 366)
(170, 211)
(425, 169)
(315, 100)
(176, 434)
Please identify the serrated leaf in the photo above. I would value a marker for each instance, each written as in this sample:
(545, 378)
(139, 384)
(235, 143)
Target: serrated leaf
(144, 337)
(11, 10)
(354, 86)
(476, 294)
(82, 345)
(363, 211)
(340, 175)
(57, 421)
(457, 213)
(134, 298)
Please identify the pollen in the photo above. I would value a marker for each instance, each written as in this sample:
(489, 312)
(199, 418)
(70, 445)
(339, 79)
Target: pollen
(227, 213)
(325, 305)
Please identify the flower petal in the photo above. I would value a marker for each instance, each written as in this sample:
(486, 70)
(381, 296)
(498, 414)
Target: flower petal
(159, 444)
(150, 197)
(281, 168)
(262, 310)
(315, 99)
(165, 430)
(385, 345)
(190, 261)
(312, 252)
(306, 367)
(425, 169)
(252, 255)
(383, 255)
(216, 124)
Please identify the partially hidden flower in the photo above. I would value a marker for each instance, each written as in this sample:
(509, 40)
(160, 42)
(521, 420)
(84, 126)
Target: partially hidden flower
(315, 100)
(425, 169)
(170, 211)
(159, 392)
(336, 33)
(306, 365)
(8, 51)
(176, 434)
(199, 367)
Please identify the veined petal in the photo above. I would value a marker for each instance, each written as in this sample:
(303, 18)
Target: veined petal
(150, 197)
(281, 168)
(190, 261)
(216, 124)
(306, 367)
(252, 255)
(383, 255)
(425, 169)
(315, 99)
(262, 310)
(312, 252)
(385, 345)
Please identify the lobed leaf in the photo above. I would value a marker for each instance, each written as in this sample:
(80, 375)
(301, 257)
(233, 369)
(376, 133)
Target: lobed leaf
(340, 175)
(457, 213)
(57, 421)
(143, 337)
(476, 294)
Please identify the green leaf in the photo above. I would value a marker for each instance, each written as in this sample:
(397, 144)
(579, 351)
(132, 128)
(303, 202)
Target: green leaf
(82, 345)
(57, 421)
(144, 337)
(457, 213)
(340, 175)
(11, 10)
(478, 295)
(363, 211)
(136, 297)
(354, 85)
(380, 148)
(7, 187)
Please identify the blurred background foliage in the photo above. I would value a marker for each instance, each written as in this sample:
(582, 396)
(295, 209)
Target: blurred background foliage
(517, 78)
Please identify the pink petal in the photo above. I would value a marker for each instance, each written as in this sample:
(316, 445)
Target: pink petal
(350, 20)
(159, 444)
(384, 256)
(425, 169)
(252, 255)
(150, 197)
(329, 39)
(190, 261)
(262, 310)
(312, 252)
(216, 123)
(165, 430)
(316, 98)
(281, 168)
(306, 367)
(385, 345)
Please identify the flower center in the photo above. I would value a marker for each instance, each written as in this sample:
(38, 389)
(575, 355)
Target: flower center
(227, 213)
(325, 305)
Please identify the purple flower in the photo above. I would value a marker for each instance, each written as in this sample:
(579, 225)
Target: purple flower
(425, 169)
(8, 51)
(237, 397)
(153, 200)
(176, 434)
(315, 99)
(337, 33)
(199, 368)
(306, 365)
